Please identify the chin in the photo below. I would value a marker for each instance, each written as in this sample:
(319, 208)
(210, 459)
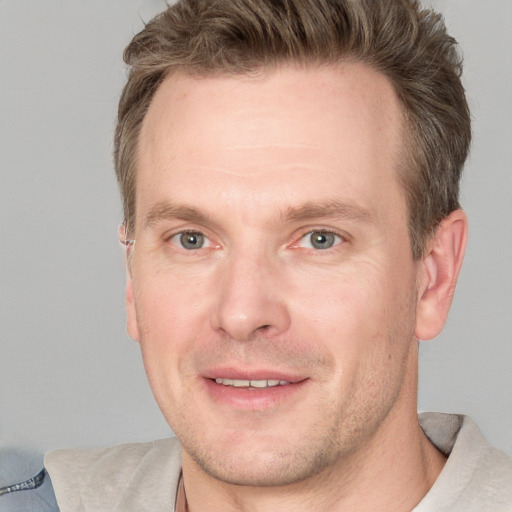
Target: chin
(264, 466)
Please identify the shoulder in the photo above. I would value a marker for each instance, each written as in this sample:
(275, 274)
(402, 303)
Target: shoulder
(24, 484)
(121, 477)
(476, 475)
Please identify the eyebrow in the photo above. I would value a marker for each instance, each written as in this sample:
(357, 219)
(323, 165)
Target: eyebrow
(333, 209)
(311, 210)
(169, 211)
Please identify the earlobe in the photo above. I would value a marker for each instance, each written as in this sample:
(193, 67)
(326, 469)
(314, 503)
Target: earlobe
(441, 265)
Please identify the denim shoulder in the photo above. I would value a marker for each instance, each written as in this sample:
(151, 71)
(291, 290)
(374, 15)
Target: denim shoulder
(24, 483)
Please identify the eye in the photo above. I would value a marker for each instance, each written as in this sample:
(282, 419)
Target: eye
(190, 240)
(320, 240)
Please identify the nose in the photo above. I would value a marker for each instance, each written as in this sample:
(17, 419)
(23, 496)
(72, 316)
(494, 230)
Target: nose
(250, 299)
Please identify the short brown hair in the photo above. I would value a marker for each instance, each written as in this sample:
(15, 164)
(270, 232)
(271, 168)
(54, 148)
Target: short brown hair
(396, 37)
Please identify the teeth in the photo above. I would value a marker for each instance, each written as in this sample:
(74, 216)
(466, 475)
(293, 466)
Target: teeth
(237, 383)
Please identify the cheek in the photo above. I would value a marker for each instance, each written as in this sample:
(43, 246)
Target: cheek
(169, 303)
(346, 301)
(359, 314)
(171, 319)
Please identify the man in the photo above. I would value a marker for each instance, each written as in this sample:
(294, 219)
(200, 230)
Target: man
(289, 172)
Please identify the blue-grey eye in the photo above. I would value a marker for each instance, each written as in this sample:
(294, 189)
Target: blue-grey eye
(320, 240)
(190, 240)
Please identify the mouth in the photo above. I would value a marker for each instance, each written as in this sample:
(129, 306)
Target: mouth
(251, 384)
(259, 390)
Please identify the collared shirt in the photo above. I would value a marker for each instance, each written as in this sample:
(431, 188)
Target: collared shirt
(145, 477)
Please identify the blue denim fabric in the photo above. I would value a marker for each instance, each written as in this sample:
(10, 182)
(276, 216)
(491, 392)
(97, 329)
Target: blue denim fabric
(18, 466)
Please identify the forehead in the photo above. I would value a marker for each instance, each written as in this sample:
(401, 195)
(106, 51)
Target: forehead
(305, 130)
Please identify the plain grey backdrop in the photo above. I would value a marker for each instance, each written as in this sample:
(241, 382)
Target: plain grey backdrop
(69, 375)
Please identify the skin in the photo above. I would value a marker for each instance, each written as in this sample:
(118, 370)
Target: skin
(255, 165)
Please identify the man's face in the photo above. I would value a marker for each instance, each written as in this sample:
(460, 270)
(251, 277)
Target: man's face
(272, 286)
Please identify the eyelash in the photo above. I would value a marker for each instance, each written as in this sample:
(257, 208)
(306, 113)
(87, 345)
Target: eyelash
(190, 232)
(338, 240)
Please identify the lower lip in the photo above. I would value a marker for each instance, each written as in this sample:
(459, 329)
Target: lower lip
(254, 398)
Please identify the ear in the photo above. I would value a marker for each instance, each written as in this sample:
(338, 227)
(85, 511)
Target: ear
(132, 326)
(440, 269)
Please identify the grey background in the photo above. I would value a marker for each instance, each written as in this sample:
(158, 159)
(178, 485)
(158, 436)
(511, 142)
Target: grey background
(69, 375)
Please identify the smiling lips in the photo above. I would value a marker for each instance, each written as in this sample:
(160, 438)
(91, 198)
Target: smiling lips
(252, 384)
(253, 391)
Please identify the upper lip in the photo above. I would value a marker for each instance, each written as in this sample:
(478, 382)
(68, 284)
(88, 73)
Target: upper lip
(251, 374)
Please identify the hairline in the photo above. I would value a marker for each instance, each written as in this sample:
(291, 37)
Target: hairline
(406, 168)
